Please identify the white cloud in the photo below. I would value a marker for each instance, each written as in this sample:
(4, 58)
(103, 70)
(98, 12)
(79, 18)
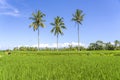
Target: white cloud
(7, 9)
(112, 43)
(53, 45)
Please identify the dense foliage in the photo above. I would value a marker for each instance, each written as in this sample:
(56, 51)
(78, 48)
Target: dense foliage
(100, 45)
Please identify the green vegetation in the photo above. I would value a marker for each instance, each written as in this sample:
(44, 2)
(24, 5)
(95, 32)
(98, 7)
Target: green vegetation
(98, 45)
(58, 25)
(78, 18)
(37, 21)
(60, 65)
(28, 63)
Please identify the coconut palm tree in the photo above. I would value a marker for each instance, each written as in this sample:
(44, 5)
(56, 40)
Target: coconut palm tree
(78, 18)
(37, 22)
(58, 25)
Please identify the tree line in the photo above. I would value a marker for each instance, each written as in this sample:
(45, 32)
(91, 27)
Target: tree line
(98, 45)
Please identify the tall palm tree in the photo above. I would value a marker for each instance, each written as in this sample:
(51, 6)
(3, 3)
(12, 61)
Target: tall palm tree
(37, 22)
(58, 25)
(78, 18)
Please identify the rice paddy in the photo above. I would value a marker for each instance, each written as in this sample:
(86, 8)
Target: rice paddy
(56, 66)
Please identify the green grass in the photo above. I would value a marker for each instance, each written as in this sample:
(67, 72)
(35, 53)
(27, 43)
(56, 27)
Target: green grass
(63, 65)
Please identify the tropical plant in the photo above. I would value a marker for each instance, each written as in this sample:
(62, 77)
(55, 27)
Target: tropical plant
(116, 42)
(78, 18)
(92, 46)
(37, 22)
(109, 46)
(58, 25)
(100, 45)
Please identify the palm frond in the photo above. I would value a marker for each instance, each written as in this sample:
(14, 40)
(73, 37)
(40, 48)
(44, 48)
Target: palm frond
(42, 25)
(53, 29)
(63, 27)
(60, 31)
(52, 24)
(32, 18)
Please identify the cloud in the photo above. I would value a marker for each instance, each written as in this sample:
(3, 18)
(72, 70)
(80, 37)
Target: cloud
(7, 9)
(53, 45)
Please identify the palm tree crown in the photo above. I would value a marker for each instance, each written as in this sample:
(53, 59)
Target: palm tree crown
(58, 26)
(37, 20)
(78, 16)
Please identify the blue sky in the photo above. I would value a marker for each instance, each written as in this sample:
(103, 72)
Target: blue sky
(101, 21)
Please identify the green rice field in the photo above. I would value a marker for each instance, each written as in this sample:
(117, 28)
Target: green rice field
(62, 65)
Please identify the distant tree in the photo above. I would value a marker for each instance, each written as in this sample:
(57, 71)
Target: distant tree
(58, 25)
(76, 48)
(70, 47)
(16, 49)
(100, 45)
(92, 46)
(47, 49)
(22, 48)
(99, 42)
(109, 46)
(78, 18)
(116, 42)
(37, 22)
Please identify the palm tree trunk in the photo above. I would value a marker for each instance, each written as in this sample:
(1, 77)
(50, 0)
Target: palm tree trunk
(78, 39)
(57, 42)
(38, 40)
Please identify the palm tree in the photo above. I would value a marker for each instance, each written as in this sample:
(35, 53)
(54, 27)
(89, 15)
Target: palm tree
(37, 22)
(116, 42)
(78, 18)
(58, 25)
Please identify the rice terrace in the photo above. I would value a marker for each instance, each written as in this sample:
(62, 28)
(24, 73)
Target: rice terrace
(59, 40)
